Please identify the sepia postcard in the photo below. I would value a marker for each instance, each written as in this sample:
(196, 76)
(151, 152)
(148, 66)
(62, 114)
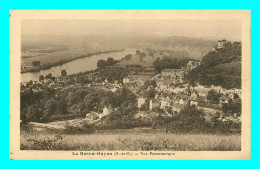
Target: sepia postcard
(130, 84)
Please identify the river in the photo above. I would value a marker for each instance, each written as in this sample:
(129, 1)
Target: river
(76, 66)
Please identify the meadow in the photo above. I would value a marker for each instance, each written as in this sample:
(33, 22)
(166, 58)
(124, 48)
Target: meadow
(130, 139)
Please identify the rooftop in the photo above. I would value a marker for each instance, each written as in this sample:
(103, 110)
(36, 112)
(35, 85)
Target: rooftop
(93, 114)
(224, 98)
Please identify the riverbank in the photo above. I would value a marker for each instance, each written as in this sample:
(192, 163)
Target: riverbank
(61, 62)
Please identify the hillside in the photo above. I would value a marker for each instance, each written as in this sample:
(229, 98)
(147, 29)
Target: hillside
(220, 67)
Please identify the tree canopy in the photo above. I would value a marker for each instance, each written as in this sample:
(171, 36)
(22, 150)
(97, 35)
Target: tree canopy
(101, 64)
(110, 61)
(63, 73)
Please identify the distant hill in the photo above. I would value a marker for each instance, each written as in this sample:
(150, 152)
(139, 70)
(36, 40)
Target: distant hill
(195, 47)
(220, 67)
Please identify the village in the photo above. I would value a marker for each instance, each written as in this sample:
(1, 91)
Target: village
(165, 94)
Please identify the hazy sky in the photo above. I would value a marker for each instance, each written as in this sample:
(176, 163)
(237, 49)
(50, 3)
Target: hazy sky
(213, 29)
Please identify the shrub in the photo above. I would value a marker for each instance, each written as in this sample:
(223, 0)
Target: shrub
(83, 129)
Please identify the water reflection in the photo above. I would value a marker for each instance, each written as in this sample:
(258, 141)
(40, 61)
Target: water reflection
(76, 66)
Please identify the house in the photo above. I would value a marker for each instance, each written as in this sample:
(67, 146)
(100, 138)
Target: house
(192, 64)
(157, 96)
(218, 89)
(223, 100)
(221, 43)
(193, 103)
(183, 101)
(92, 116)
(163, 103)
(235, 91)
(140, 101)
(107, 111)
(193, 95)
(154, 104)
(126, 80)
(176, 108)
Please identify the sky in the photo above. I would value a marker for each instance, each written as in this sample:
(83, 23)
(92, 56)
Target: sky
(209, 29)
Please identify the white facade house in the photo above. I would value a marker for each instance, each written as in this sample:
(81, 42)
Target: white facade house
(224, 100)
(181, 101)
(193, 103)
(221, 43)
(140, 101)
(163, 104)
(154, 104)
(126, 80)
(106, 111)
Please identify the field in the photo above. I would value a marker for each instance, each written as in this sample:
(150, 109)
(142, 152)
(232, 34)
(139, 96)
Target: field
(133, 139)
(53, 49)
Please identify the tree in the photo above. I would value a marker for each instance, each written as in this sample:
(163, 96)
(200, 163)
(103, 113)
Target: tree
(53, 78)
(101, 64)
(189, 120)
(192, 83)
(142, 54)
(218, 80)
(145, 106)
(169, 63)
(110, 61)
(48, 76)
(33, 113)
(50, 108)
(130, 110)
(127, 96)
(149, 83)
(138, 52)
(128, 56)
(36, 63)
(41, 78)
(73, 98)
(232, 107)
(61, 106)
(213, 95)
(150, 94)
(63, 73)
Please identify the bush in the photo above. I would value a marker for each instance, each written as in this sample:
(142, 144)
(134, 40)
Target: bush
(83, 129)
(189, 120)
